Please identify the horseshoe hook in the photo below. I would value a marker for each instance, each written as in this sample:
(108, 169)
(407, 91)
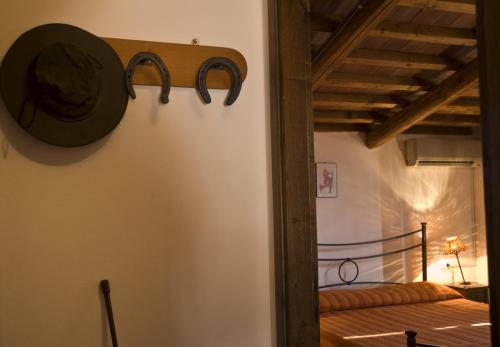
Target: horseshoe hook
(143, 57)
(219, 63)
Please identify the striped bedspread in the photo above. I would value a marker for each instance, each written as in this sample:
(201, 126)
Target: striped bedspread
(450, 322)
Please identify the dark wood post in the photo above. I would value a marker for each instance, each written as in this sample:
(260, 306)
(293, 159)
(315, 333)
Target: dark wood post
(295, 252)
(488, 28)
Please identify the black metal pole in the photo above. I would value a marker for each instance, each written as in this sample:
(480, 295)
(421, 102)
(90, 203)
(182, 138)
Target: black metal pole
(109, 310)
(460, 267)
(411, 338)
(424, 251)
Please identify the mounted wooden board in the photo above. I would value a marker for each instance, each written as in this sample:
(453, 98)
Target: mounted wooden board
(183, 62)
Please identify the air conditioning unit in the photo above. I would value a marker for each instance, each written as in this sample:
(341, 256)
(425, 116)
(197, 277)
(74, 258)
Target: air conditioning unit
(441, 152)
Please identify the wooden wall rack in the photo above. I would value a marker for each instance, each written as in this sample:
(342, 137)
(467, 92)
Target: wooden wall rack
(183, 62)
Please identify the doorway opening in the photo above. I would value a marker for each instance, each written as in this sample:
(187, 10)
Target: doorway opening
(378, 138)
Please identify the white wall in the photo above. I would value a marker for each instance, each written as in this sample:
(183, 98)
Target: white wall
(355, 214)
(379, 196)
(173, 208)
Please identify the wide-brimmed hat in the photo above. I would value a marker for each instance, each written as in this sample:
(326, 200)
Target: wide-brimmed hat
(63, 85)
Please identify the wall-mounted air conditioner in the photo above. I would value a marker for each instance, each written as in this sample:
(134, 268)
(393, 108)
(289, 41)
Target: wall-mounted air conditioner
(443, 152)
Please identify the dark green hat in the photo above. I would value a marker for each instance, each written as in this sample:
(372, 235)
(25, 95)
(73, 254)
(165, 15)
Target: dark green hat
(63, 85)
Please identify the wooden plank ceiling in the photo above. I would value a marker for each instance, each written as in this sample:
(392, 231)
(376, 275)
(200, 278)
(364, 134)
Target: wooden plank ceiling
(386, 67)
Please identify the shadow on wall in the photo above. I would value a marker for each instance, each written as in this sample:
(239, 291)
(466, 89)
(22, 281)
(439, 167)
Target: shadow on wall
(36, 150)
(379, 196)
(441, 196)
(354, 216)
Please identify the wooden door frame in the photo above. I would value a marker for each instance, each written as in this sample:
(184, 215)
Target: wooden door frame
(488, 28)
(297, 318)
(295, 253)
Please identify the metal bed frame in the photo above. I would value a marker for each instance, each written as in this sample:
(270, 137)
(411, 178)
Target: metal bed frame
(410, 335)
(352, 260)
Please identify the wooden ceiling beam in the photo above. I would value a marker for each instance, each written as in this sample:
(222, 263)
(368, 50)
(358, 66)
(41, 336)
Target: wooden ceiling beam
(365, 81)
(353, 101)
(417, 129)
(401, 60)
(460, 6)
(474, 92)
(343, 42)
(432, 130)
(324, 24)
(385, 82)
(425, 33)
(360, 102)
(451, 120)
(406, 31)
(348, 117)
(325, 127)
(466, 106)
(430, 103)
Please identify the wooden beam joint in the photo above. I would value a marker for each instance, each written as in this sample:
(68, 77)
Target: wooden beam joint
(441, 95)
(364, 19)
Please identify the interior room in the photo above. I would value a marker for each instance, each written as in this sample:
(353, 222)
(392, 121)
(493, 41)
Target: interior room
(399, 174)
(271, 173)
(390, 197)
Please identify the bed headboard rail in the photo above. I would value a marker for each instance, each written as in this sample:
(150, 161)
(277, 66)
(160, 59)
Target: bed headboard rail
(352, 260)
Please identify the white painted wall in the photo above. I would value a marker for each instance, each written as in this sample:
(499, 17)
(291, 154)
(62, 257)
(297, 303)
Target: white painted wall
(354, 216)
(379, 196)
(173, 208)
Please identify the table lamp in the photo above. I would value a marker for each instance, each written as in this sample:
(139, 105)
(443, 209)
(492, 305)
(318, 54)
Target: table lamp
(453, 245)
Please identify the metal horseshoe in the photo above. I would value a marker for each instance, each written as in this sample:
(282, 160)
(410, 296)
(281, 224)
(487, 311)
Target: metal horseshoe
(148, 57)
(219, 63)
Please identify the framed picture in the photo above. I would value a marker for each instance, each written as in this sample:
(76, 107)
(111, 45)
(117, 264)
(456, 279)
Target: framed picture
(326, 180)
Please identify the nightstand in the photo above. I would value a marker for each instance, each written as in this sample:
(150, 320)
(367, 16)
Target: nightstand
(474, 291)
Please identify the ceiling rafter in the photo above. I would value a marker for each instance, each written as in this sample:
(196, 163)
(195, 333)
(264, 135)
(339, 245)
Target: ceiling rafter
(353, 101)
(383, 88)
(350, 117)
(323, 23)
(425, 33)
(347, 117)
(441, 95)
(399, 59)
(360, 102)
(415, 86)
(365, 18)
(407, 31)
(469, 106)
(417, 129)
(366, 81)
(460, 6)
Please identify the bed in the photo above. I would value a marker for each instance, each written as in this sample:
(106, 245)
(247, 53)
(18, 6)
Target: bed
(422, 314)
(381, 316)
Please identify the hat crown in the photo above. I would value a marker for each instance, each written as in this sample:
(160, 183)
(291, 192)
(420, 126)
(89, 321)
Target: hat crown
(63, 85)
(67, 80)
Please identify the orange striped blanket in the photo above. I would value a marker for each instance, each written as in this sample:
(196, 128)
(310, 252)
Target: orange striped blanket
(380, 316)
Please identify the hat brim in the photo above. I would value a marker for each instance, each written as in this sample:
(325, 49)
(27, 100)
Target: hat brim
(14, 81)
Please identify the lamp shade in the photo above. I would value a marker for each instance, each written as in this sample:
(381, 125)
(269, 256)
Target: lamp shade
(453, 245)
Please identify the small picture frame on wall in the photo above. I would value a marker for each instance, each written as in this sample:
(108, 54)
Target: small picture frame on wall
(326, 180)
